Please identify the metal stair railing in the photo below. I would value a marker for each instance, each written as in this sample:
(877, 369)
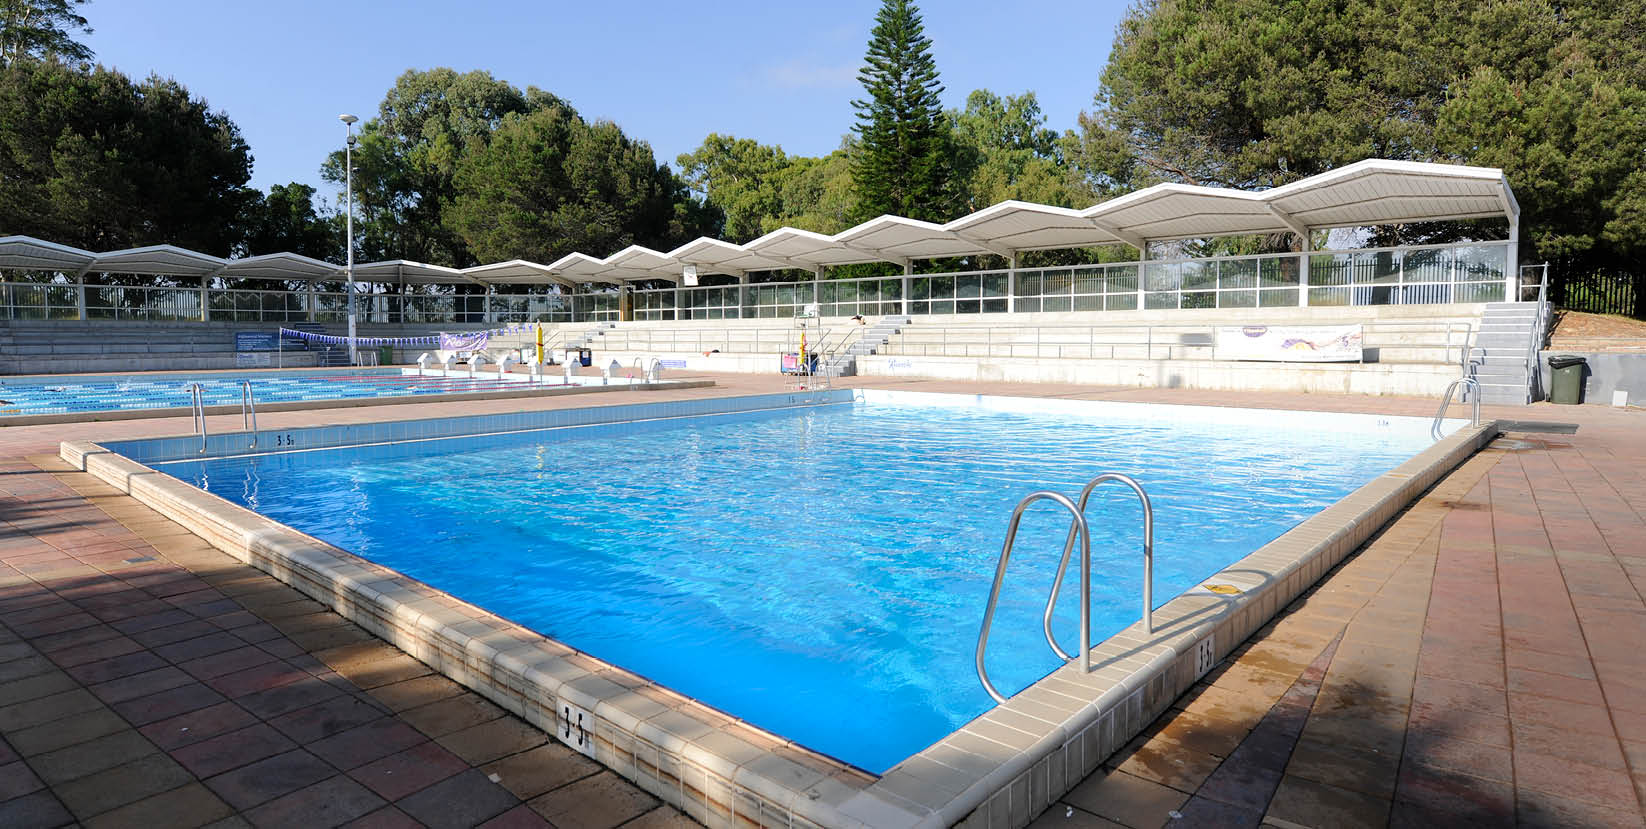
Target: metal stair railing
(1446, 402)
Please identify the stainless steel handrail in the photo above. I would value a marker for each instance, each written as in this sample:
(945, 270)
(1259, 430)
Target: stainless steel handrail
(1068, 547)
(1084, 533)
(197, 408)
(248, 412)
(1446, 402)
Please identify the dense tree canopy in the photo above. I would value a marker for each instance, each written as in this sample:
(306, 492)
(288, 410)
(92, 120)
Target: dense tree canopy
(90, 159)
(407, 157)
(39, 29)
(902, 162)
(1255, 93)
(548, 183)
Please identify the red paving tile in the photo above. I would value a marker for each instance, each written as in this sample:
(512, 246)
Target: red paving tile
(1535, 594)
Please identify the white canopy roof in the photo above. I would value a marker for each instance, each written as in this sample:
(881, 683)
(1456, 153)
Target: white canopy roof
(1371, 192)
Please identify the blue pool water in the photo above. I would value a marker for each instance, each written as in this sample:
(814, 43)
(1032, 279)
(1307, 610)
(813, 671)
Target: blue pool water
(819, 572)
(60, 395)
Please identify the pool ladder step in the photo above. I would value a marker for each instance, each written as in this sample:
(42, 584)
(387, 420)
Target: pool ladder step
(1079, 532)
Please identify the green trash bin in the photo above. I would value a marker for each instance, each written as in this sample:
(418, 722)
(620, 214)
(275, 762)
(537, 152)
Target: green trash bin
(385, 355)
(1566, 378)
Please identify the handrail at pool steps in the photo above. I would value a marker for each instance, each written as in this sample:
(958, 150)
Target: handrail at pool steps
(197, 409)
(1080, 529)
(1079, 532)
(1446, 402)
(248, 412)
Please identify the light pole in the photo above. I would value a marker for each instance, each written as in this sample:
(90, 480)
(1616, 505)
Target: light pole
(348, 176)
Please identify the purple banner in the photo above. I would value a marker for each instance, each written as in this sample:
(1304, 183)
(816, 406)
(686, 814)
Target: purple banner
(471, 341)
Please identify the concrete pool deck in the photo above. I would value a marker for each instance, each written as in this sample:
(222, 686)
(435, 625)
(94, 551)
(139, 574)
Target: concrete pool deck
(1343, 648)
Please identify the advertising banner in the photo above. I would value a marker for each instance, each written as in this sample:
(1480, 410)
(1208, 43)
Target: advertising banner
(1291, 343)
(256, 341)
(472, 341)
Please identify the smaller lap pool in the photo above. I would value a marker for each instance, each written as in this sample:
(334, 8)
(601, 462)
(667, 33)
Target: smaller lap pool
(75, 394)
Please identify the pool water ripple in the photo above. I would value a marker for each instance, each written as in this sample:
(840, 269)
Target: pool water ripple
(820, 573)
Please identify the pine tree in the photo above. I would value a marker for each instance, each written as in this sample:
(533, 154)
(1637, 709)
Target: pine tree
(901, 164)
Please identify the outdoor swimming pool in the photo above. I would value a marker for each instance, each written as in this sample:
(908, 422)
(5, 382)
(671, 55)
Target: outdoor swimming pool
(69, 394)
(819, 572)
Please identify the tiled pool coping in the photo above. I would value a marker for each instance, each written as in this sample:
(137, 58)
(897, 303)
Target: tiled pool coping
(999, 770)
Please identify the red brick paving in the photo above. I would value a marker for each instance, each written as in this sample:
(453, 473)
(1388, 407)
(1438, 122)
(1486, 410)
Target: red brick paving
(1479, 663)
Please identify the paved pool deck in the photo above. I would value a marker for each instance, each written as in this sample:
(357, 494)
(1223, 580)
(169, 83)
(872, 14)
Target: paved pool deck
(1480, 662)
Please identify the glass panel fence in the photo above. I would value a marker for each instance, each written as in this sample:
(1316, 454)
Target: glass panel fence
(28, 301)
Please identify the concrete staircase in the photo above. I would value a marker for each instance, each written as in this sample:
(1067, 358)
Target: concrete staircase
(1498, 359)
(844, 363)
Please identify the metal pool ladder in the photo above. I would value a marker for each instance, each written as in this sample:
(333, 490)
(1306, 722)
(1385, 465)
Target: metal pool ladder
(1079, 531)
(197, 409)
(1446, 401)
(248, 412)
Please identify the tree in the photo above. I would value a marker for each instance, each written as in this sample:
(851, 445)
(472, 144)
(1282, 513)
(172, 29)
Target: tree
(1004, 150)
(547, 183)
(407, 158)
(90, 159)
(1256, 93)
(39, 29)
(285, 221)
(740, 178)
(902, 162)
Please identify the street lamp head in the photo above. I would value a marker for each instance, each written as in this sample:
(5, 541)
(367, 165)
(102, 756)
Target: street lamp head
(347, 119)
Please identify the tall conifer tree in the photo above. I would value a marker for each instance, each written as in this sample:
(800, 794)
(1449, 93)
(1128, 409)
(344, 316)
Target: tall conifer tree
(901, 163)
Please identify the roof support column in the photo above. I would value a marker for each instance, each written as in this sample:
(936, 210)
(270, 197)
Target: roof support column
(205, 307)
(1011, 284)
(1142, 273)
(80, 296)
(1512, 270)
(908, 271)
(571, 302)
(487, 314)
(314, 303)
(679, 302)
(1303, 273)
(817, 288)
(742, 294)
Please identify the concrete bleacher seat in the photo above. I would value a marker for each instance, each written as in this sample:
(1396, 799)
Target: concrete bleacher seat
(81, 346)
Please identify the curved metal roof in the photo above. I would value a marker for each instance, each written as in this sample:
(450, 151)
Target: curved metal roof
(1370, 192)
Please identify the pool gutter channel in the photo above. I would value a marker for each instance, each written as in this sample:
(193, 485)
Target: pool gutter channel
(525, 390)
(1000, 770)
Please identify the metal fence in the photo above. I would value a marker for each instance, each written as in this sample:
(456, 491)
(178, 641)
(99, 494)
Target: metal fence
(1428, 274)
(1601, 293)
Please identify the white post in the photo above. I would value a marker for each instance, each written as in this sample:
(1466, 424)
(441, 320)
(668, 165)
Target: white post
(80, 296)
(1142, 272)
(908, 269)
(348, 269)
(205, 307)
(1512, 276)
(1303, 273)
(817, 287)
(1011, 284)
(742, 294)
(314, 302)
(487, 314)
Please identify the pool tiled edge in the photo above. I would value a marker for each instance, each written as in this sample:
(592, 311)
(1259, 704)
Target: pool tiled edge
(999, 770)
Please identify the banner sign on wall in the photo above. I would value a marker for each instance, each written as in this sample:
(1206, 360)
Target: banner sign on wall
(470, 341)
(256, 341)
(1291, 343)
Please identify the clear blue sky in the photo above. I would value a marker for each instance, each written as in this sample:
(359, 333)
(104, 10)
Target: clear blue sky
(668, 73)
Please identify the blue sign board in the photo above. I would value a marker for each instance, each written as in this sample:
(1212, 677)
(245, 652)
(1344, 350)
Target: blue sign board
(256, 341)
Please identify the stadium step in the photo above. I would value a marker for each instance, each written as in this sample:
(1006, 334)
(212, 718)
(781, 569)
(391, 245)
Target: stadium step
(844, 364)
(1498, 360)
